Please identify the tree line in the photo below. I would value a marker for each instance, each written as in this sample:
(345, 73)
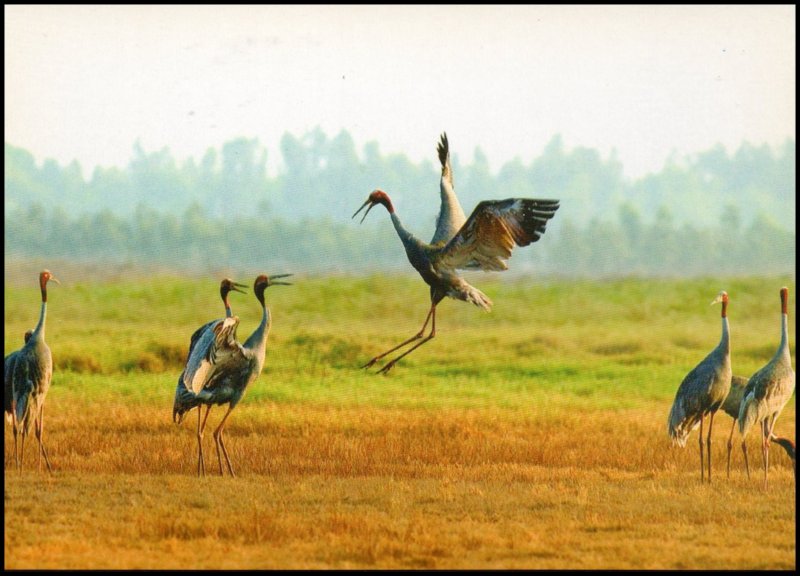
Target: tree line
(196, 241)
(711, 213)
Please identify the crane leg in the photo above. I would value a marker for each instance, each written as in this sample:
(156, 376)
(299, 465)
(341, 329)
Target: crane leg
(221, 444)
(17, 464)
(768, 433)
(201, 463)
(39, 428)
(15, 428)
(708, 444)
(21, 448)
(700, 441)
(746, 465)
(416, 336)
(765, 448)
(432, 314)
(730, 446)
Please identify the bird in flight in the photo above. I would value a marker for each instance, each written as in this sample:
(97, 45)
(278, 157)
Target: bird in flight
(484, 241)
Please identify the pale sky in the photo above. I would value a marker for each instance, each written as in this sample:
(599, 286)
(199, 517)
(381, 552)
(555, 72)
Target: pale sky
(85, 82)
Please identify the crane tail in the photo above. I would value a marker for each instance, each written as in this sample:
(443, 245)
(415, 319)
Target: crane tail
(478, 298)
(748, 415)
(679, 425)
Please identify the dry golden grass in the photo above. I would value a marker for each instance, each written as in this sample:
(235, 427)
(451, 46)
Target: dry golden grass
(319, 487)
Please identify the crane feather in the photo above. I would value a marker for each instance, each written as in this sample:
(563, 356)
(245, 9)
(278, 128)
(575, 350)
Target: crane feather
(494, 228)
(214, 348)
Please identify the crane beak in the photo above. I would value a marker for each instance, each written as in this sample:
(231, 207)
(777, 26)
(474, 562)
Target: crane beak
(236, 287)
(54, 279)
(368, 202)
(272, 280)
(717, 300)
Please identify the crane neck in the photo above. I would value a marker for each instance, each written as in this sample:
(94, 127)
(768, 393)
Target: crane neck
(725, 341)
(38, 332)
(228, 311)
(257, 341)
(783, 348)
(404, 234)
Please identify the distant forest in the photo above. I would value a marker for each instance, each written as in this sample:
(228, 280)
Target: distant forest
(712, 213)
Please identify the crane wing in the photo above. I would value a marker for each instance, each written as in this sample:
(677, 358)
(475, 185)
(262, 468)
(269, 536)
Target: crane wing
(199, 332)
(8, 380)
(734, 398)
(24, 376)
(212, 350)
(451, 215)
(691, 401)
(767, 391)
(486, 239)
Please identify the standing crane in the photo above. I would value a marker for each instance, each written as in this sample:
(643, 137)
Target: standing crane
(8, 371)
(185, 400)
(219, 368)
(703, 391)
(731, 408)
(26, 374)
(768, 391)
(483, 241)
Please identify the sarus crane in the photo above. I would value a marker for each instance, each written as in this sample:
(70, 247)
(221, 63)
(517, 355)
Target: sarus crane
(483, 241)
(185, 399)
(27, 373)
(220, 369)
(768, 391)
(703, 391)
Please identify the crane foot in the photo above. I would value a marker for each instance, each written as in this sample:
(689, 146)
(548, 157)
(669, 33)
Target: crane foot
(370, 363)
(386, 368)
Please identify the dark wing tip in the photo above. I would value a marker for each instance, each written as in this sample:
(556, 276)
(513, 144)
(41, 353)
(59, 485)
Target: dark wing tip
(443, 148)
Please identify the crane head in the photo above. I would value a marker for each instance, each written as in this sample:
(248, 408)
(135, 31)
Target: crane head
(721, 297)
(787, 445)
(228, 285)
(375, 197)
(45, 276)
(263, 282)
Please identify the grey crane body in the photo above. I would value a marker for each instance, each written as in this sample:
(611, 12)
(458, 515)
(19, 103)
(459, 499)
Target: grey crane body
(32, 370)
(220, 369)
(735, 395)
(768, 391)
(703, 391)
(483, 241)
(185, 399)
(27, 373)
(220, 372)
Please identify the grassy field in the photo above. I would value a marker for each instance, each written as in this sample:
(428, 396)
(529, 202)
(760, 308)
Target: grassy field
(530, 437)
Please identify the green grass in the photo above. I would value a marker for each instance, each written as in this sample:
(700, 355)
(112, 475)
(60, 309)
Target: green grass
(599, 345)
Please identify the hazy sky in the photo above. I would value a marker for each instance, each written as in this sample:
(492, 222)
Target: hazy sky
(84, 82)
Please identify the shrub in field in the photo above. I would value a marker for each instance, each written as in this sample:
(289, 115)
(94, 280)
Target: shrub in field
(80, 363)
